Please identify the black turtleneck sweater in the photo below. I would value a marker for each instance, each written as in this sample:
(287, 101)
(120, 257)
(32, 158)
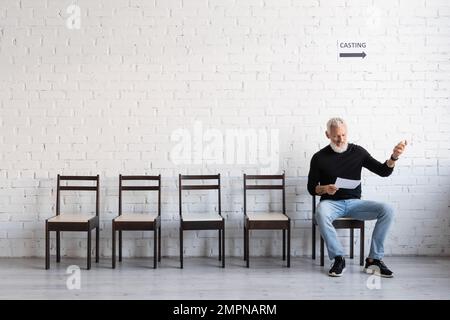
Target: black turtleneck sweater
(327, 166)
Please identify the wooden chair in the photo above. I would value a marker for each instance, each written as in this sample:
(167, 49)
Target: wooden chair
(202, 221)
(342, 223)
(138, 221)
(267, 220)
(73, 222)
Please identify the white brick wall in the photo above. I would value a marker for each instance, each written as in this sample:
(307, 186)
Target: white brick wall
(106, 98)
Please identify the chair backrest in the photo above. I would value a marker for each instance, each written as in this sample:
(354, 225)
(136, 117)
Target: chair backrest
(255, 178)
(313, 205)
(140, 188)
(95, 187)
(182, 187)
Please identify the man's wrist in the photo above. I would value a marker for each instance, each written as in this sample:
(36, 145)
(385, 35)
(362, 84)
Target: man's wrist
(393, 158)
(319, 190)
(390, 163)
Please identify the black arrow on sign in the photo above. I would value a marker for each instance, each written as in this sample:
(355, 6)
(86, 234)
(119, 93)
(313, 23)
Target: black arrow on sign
(350, 55)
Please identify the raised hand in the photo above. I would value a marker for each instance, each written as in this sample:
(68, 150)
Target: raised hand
(399, 148)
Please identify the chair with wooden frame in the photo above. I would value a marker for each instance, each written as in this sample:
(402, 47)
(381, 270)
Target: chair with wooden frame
(138, 221)
(267, 220)
(73, 222)
(202, 221)
(341, 223)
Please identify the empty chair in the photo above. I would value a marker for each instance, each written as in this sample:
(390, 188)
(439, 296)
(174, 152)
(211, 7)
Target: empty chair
(138, 221)
(202, 221)
(341, 223)
(73, 222)
(266, 220)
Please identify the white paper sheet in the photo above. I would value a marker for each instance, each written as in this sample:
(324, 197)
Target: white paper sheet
(342, 183)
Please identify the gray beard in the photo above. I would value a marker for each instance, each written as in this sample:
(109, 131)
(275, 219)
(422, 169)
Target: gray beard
(338, 149)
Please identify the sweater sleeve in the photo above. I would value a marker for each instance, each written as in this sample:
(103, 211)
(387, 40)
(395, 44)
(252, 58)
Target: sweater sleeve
(375, 166)
(313, 176)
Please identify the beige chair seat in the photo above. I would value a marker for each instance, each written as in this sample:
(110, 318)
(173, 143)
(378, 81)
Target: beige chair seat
(201, 217)
(69, 217)
(136, 217)
(266, 216)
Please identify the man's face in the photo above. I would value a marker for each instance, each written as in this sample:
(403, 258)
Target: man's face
(338, 138)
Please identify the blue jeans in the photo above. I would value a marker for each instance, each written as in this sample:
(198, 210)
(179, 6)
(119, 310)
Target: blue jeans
(330, 210)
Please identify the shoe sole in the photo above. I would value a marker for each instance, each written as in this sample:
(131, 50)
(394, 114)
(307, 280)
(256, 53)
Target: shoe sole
(336, 275)
(376, 273)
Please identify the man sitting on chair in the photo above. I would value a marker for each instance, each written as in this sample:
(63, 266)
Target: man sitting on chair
(341, 159)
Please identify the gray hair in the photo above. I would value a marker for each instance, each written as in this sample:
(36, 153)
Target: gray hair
(335, 122)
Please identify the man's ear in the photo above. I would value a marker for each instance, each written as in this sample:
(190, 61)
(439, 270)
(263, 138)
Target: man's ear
(326, 133)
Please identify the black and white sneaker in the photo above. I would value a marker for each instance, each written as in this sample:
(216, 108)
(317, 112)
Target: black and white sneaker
(338, 267)
(377, 267)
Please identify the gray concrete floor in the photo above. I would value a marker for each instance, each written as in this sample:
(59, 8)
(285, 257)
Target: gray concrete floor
(202, 278)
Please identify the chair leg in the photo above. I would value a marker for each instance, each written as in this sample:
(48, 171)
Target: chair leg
(89, 249)
(223, 247)
(220, 244)
(155, 248)
(247, 247)
(47, 247)
(120, 245)
(58, 246)
(97, 244)
(322, 252)
(159, 244)
(245, 243)
(361, 254)
(113, 247)
(289, 246)
(181, 248)
(313, 241)
(352, 237)
(284, 244)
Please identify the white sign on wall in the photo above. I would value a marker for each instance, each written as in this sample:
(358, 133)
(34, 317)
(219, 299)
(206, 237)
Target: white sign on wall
(351, 49)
